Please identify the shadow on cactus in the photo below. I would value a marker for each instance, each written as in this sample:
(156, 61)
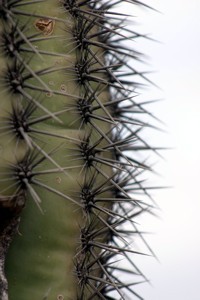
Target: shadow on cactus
(71, 182)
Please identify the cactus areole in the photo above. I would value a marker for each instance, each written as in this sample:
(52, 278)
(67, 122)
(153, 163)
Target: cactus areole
(70, 173)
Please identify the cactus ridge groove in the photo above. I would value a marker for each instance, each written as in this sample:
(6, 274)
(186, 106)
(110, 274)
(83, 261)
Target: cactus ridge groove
(71, 127)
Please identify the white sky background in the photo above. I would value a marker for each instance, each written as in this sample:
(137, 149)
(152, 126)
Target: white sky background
(176, 61)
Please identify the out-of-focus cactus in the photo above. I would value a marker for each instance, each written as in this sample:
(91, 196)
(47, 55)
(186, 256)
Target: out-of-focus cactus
(70, 133)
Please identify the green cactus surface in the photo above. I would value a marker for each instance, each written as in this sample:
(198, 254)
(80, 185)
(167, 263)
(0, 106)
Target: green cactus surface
(70, 133)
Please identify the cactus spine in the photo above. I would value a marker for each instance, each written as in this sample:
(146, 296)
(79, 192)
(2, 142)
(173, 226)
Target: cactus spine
(69, 126)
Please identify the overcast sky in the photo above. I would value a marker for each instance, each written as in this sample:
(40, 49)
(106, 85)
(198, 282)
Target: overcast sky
(177, 61)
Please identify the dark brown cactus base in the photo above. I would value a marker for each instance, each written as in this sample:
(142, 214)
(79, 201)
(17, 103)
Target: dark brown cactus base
(10, 209)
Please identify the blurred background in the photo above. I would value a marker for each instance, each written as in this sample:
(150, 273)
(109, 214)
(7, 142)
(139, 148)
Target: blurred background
(175, 65)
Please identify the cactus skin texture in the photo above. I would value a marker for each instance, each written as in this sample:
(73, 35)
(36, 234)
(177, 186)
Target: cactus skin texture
(69, 169)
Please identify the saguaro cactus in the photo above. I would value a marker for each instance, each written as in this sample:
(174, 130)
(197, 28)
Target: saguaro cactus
(70, 133)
